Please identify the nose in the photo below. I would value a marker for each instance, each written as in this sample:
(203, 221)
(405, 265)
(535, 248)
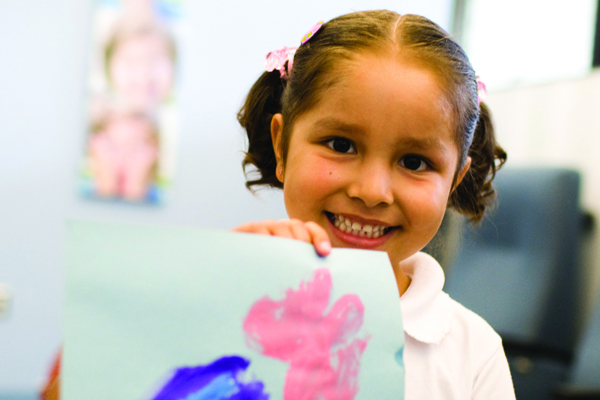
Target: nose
(372, 184)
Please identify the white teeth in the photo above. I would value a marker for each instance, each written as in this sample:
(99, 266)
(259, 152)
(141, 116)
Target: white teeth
(346, 225)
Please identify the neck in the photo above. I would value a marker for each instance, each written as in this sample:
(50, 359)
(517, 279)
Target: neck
(402, 280)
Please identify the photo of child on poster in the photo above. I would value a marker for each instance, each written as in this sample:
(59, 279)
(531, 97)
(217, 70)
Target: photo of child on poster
(132, 116)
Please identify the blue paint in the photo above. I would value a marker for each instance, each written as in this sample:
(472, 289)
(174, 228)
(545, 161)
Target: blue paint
(399, 357)
(222, 387)
(219, 380)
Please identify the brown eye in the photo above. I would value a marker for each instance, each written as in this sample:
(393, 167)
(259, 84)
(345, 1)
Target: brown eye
(341, 145)
(413, 163)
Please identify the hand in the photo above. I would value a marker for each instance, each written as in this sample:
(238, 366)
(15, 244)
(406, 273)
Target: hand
(308, 232)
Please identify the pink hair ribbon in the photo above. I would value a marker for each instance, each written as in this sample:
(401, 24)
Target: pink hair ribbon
(276, 59)
(481, 91)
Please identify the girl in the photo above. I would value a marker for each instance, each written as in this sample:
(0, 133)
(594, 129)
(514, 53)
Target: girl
(372, 128)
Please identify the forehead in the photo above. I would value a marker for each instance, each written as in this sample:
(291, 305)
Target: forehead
(382, 93)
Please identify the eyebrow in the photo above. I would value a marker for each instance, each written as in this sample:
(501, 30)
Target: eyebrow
(427, 143)
(334, 124)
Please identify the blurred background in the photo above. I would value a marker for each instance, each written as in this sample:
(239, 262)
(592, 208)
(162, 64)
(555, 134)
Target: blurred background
(535, 56)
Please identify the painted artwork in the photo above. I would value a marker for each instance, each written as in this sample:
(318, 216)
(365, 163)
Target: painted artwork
(132, 119)
(183, 314)
(222, 379)
(323, 363)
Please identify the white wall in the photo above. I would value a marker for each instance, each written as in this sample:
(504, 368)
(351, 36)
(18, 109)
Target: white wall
(42, 92)
(558, 124)
(514, 42)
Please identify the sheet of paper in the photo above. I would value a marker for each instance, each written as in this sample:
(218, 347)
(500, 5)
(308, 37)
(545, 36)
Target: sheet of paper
(161, 313)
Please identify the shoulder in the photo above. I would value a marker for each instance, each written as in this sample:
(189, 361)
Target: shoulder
(474, 330)
(447, 343)
(468, 362)
(431, 316)
(468, 342)
(483, 346)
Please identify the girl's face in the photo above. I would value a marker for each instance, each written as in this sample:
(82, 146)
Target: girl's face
(373, 162)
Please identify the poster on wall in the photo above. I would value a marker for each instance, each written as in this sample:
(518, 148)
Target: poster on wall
(132, 122)
(158, 313)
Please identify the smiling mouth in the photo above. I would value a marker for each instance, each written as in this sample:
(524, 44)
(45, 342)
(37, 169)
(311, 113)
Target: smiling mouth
(357, 229)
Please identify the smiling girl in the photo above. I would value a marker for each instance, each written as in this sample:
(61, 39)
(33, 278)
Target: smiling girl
(373, 127)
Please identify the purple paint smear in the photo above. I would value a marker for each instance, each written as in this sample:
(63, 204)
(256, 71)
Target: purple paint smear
(320, 347)
(217, 381)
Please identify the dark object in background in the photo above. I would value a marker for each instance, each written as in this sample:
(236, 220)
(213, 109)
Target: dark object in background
(519, 271)
(583, 381)
(596, 55)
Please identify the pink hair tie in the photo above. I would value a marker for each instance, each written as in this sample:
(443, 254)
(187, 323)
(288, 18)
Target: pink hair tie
(481, 91)
(276, 60)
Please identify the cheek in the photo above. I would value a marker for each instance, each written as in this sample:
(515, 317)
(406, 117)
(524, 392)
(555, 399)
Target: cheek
(309, 181)
(428, 201)
(322, 174)
(312, 175)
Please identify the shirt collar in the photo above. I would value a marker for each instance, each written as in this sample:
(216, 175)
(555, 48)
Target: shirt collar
(426, 310)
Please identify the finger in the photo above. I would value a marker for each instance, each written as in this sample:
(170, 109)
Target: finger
(299, 230)
(260, 228)
(319, 238)
(282, 229)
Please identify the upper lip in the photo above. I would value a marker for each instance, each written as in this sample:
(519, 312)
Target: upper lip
(363, 221)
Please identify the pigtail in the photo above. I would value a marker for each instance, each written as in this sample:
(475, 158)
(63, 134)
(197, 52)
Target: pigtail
(475, 193)
(263, 101)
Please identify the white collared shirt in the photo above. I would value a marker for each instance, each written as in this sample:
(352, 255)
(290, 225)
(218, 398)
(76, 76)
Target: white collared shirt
(450, 352)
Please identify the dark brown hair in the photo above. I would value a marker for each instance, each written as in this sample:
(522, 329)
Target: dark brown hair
(319, 64)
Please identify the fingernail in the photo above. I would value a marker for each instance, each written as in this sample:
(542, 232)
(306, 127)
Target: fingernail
(325, 247)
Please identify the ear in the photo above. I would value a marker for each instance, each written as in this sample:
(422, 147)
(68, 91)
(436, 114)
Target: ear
(462, 173)
(276, 131)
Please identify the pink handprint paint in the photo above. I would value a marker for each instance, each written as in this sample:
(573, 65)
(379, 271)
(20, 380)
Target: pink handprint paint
(320, 346)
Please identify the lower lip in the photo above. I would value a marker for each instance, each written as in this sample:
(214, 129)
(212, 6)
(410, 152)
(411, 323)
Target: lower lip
(357, 241)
